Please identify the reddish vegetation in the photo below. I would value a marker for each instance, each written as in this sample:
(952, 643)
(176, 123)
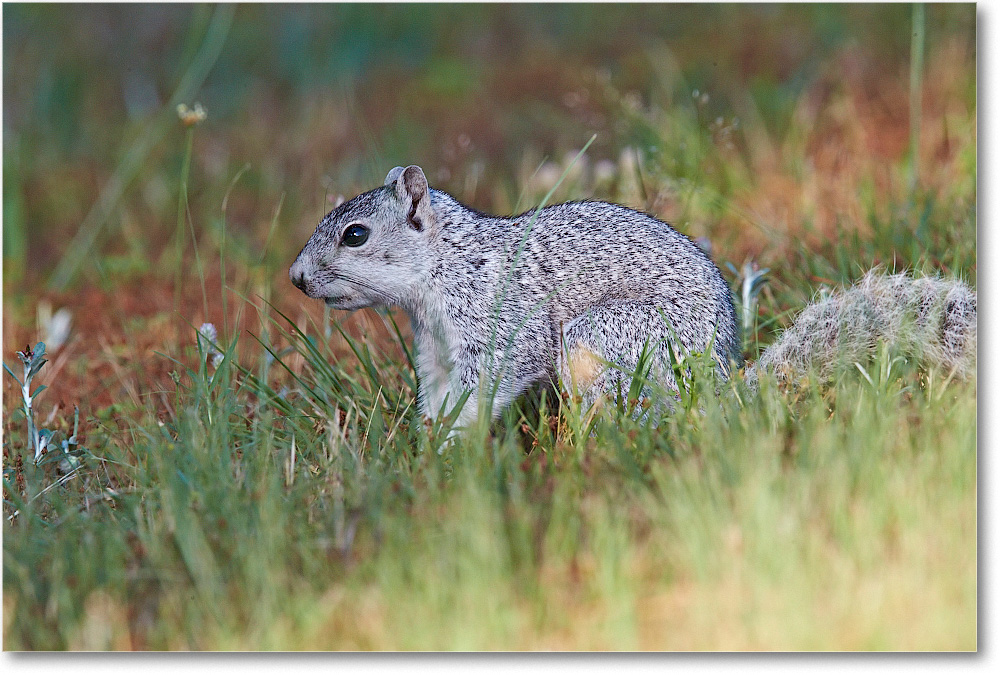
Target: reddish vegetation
(120, 341)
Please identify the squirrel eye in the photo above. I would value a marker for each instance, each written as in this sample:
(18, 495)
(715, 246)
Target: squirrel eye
(355, 235)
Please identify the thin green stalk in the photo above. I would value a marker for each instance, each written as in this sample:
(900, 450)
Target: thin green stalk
(29, 415)
(181, 208)
(15, 236)
(222, 278)
(197, 258)
(222, 246)
(640, 181)
(274, 226)
(80, 248)
(502, 291)
(916, 90)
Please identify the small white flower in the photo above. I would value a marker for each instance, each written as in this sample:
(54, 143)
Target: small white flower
(55, 327)
(191, 116)
(208, 332)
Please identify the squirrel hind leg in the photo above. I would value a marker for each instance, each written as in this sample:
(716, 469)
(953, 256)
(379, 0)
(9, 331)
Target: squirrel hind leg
(603, 350)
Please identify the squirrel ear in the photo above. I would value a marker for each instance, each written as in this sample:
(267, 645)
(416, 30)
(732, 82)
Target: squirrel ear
(412, 183)
(411, 186)
(393, 175)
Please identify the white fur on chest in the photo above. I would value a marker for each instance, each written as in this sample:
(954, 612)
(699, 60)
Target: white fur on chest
(436, 342)
(434, 372)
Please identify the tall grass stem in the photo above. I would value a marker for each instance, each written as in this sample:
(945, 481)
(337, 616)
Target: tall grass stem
(917, 40)
(181, 210)
(197, 260)
(90, 229)
(222, 245)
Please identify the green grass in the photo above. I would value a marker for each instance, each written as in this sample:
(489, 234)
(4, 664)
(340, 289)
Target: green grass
(293, 498)
(837, 519)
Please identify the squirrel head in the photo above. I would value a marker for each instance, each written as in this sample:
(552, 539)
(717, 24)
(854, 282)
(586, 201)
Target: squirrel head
(371, 250)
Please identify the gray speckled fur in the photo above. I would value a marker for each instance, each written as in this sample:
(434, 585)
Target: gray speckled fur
(929, 319)
(509, 298)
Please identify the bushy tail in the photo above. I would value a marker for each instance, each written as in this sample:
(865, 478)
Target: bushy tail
(928, 319)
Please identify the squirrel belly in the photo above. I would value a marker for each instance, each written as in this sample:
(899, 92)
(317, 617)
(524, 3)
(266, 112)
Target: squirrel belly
(498, 305)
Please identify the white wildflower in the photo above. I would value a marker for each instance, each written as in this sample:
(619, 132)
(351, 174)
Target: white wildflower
(191, 116)
(210, 335)
(55, 327)
(207, 331)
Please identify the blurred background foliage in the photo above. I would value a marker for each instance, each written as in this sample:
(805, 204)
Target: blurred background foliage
(320, 101)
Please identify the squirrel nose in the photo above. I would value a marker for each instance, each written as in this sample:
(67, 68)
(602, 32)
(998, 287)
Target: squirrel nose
(297, 274)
